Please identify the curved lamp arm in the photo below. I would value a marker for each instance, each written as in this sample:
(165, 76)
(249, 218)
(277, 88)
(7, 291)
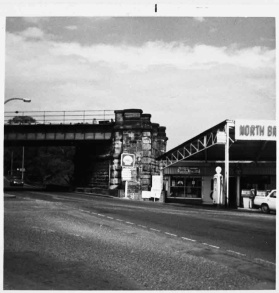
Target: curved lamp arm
(24, 100)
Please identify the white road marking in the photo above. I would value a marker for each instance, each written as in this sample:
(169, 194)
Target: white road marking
(264, 261)
(211, 245)
(129, 223)
(43, 230)
(142, 226)
(119, 220)
(100, 215)
(189, 239)
(155, 230)
(110, 218)
(50, 230)
(77, 235)
(170, 234)
(238, 253)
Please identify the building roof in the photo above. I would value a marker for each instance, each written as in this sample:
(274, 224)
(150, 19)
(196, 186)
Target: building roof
(207, 147)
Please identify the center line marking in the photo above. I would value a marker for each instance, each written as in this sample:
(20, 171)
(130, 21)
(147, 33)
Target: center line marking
(100, 215)
(211, 245)
(110, 218)
(119, 220)
(170, 234)
(155, 230)
(238, 253)
(188, 239)
(129, 223)
(142, 226)
(50, 230)
(264, 261)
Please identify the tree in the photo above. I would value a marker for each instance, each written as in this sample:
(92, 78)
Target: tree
(22, 120)
(44, 165)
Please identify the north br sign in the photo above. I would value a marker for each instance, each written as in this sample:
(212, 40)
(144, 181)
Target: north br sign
(128, 160)
(255, 130)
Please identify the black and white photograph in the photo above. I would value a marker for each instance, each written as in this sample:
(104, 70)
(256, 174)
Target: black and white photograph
(139, 146)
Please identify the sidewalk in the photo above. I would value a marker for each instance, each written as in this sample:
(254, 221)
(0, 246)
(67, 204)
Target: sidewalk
(216, 208)
(208, 207)
(9, 195)
(249, 210)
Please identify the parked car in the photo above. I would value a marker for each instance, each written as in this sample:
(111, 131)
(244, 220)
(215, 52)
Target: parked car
(16, 181)
(266, 203)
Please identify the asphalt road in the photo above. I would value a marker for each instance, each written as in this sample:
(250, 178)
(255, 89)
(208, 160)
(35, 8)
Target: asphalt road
(73, 241)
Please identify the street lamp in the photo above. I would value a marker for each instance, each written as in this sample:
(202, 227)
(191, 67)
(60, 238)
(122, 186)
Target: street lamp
(24, 100)
(22, 167)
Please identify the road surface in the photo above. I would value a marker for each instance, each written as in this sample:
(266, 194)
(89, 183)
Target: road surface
(74, 241)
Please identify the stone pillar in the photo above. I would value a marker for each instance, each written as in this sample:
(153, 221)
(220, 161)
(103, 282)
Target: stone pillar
(115, 168)
(146, 161)
(134, 133)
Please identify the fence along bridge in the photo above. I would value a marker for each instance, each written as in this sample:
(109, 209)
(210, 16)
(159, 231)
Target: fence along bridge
(33, 127)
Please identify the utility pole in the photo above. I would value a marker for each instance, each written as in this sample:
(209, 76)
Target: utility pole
(12, 162)
(229, 124)
(22, 166)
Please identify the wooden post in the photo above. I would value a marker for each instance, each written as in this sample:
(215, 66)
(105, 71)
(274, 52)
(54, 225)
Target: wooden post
(126, 189)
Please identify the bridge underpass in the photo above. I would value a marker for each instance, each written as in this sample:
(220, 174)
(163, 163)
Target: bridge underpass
(92, 148)
(92, 142)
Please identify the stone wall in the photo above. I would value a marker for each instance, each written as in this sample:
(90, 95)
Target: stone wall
(98, 165)
(92, 165)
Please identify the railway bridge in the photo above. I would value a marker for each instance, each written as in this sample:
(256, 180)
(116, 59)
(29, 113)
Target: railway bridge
(99, 137)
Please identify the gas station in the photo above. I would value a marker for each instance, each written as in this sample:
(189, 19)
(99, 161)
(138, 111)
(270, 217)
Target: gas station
(223, 165)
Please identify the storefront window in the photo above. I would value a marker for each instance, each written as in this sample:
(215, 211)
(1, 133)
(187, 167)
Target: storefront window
(184, 186)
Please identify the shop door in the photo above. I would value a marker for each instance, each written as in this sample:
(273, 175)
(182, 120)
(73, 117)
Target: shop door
(232, 192)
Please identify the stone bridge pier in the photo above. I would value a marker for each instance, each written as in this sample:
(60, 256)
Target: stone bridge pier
(134, 133)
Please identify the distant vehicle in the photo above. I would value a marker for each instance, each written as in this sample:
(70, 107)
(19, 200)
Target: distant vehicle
(266, 203)
(16, 181)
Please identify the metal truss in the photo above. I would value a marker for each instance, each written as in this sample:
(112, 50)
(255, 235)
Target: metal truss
(191, 148)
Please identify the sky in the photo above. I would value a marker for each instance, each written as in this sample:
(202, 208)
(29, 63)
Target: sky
(189, 73)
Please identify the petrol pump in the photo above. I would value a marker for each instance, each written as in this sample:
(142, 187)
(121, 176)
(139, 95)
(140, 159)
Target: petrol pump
(217, 195)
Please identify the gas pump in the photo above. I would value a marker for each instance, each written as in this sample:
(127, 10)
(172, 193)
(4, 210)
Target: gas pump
(217, 196)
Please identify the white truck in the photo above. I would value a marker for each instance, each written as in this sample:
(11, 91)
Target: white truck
(266, 203)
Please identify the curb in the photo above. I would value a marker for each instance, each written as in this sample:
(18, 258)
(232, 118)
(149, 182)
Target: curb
(9, 196)
(90, 192)
(248, 210)
(95, 194)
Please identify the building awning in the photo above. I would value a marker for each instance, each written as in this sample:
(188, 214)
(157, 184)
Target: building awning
(210, 144)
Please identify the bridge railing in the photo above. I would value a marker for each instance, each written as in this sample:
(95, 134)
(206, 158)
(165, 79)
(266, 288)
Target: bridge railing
(59, 117)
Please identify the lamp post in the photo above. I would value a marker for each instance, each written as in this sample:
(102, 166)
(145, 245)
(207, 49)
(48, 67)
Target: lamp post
(22, 167)
(21, 99)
